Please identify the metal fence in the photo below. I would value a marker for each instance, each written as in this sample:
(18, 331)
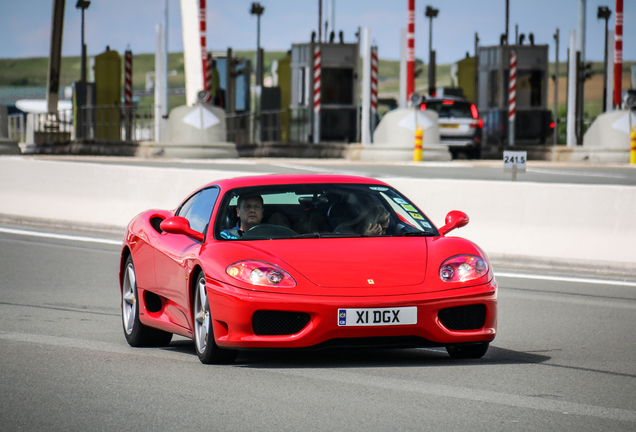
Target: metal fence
(238, 128)
(89, 123)
(283, 125)
(50, 127)
(115, 123)
(137, 123)
(17, 127)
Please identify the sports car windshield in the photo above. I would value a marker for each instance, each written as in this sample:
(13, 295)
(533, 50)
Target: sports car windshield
(318, 211)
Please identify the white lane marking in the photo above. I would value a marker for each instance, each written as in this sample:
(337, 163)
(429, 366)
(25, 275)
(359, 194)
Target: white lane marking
(337, 376)
(94, 345)
(575, 173)
(465, 393)
(566, 279)
(572, 298)
(502, 274)
(60, 236)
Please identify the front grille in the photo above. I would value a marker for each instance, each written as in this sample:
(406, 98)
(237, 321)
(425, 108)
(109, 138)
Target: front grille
(471, 317)
(278, 323)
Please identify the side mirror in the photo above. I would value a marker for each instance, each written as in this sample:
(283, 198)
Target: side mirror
(454, 219)
(180, 225)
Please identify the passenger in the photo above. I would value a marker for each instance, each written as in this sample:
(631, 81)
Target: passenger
(373, 221)
(279, 219)
(249, 210)
(310, 223)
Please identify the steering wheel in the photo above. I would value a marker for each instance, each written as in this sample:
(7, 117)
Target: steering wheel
(268, 231)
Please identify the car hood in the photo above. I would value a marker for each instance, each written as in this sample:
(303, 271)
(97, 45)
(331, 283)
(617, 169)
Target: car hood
(353, 262)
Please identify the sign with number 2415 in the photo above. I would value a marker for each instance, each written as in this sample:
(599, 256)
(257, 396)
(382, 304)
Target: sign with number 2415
(518, 158)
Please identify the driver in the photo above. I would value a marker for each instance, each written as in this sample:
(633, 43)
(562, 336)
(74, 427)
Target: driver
(249, 210)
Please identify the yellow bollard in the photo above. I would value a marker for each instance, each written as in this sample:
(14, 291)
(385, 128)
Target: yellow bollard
(632, 152)
(417, 150)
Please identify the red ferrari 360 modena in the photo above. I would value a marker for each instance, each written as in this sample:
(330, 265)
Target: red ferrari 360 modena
(304, 261)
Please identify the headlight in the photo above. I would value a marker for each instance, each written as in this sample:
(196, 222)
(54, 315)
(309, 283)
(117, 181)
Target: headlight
(260, 273)
(462, 268)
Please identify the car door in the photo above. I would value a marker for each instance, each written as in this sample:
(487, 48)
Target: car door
(174, 254)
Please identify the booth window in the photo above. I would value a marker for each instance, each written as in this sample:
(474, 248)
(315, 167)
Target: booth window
(336, 86)
(529, 88)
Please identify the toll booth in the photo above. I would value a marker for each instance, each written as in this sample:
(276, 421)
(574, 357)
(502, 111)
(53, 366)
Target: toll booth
(234, 82)
(532, 119)
(339, 93)
(234, 95)
(107, 96)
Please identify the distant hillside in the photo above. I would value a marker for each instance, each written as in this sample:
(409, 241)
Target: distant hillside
(31, 72)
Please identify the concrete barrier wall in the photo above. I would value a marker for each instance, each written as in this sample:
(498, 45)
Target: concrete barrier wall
(587, 226)
(91, 194)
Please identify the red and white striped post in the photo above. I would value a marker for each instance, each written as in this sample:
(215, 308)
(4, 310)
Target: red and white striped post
(618, 54)
(128, 93)
(512, 98)
(374, 86)
(317, 95)
(128, 78)
(202, 37)
(410, 51)
(208, 78)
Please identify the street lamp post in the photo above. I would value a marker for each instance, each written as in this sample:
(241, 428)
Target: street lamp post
(604, 13)
(83, 5)
(556, 88)
(431, 13)
(258, 10)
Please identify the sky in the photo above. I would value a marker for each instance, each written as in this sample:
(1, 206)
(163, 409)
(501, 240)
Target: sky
(25, 25)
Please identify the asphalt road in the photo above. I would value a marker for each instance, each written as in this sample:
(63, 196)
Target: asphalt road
(537, 171)
(564, 359)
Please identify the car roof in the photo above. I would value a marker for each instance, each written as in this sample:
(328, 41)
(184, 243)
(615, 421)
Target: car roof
(284, 179)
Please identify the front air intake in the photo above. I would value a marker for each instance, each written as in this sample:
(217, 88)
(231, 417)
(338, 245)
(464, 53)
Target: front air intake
(470, 317)
(278, 323)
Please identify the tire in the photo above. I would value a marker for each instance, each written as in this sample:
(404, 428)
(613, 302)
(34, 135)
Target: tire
(207, 349)
(476, 153)
(470, 351)
(137, 334)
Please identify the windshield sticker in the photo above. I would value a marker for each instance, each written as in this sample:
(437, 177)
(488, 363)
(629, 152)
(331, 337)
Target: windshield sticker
(416, 216)
(425, 224)
(399, 201)
(379, 188)
(409, 207)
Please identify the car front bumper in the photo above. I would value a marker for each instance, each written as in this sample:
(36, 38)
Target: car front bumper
(233, 310)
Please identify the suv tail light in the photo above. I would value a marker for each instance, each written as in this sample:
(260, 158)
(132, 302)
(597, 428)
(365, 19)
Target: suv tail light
(473, 111)
(477, 124)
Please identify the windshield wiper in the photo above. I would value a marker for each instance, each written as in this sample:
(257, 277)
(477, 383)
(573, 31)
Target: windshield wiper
(325, 235)
(417, 234)
(308, 235)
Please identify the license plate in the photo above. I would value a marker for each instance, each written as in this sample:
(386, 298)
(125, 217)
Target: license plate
(377, 316)
(448, 126)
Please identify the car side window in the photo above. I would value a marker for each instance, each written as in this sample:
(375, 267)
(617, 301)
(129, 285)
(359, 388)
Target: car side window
(198, 209)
